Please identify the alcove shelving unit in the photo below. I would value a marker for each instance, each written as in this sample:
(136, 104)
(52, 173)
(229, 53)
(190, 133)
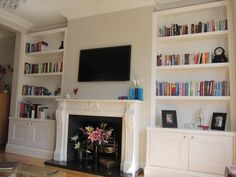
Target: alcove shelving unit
(185, 151)
(198, 42)
(32, 130)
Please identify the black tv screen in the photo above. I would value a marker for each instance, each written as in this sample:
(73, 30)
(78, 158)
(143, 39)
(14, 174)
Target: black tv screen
(105, 64)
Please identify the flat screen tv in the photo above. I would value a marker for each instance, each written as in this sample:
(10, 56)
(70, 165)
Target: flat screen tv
(105, 64)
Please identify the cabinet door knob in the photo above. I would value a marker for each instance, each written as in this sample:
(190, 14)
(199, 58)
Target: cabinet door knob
(184, 137)
(31, 123)
(192, 137)
(27, 123)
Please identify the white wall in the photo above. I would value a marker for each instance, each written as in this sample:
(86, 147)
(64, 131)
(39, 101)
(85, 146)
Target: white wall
(125, 27)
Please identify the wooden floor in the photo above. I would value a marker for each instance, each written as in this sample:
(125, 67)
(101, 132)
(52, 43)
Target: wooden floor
(40, 162)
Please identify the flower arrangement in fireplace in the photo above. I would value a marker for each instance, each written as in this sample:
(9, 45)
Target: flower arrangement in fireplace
(89, 138)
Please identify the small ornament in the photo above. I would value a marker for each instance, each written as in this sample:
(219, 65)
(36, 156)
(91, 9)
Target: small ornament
(62, 45)
(219, 57)
(200, 117)
(75, 90)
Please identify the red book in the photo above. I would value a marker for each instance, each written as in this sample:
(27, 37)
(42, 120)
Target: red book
(173, 89)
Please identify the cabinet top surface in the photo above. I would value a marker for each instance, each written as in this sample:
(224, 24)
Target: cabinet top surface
(192, 131)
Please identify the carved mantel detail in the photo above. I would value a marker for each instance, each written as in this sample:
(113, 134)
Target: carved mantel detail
(126, 109)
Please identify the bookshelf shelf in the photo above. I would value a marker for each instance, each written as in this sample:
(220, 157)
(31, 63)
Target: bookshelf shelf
(194, 98)
(41, 97)
(45, 74)
(46, 52)
(32, 120)
(196, 36)
(193, 66)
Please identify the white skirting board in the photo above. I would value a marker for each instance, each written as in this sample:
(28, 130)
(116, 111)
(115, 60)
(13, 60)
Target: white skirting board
(167, 172)
(22, 150)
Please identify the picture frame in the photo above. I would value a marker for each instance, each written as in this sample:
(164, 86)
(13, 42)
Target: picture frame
(218, 121)
(169, 119)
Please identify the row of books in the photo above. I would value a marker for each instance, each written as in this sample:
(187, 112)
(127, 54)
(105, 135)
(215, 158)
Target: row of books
(173, 30)
(200, 27)
(34, 90)
(191, 88)
(33, 111)
(50, 67)
(35, 47)
(184, 59)
(213, 25)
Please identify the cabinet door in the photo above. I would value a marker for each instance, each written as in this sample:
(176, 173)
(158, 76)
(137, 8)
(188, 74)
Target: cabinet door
(42, 135)
(18, 132)
(169, 150)
(210, 153)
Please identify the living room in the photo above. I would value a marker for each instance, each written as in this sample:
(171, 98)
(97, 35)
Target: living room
(109, 25)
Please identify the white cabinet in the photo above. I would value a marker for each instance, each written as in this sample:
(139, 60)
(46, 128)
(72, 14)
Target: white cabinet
(42, 135)
(31, 137)
(18, 132)
(169, 150)
(209, 153)
(189, 152)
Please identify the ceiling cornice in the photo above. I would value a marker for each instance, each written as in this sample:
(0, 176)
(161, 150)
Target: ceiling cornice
(15, 19)
(55, 23)
(112, 7)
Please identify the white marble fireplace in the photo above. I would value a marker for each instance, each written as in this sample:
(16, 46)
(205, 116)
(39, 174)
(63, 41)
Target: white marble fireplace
(128, 110)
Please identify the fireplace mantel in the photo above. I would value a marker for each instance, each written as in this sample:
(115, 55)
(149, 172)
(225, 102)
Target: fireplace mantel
(128, 110)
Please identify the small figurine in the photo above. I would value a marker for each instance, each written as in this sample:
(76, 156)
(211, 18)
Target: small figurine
(200, 117)
(62, 45)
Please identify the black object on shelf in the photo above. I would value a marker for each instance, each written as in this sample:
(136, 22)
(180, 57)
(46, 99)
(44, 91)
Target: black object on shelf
(62, 45)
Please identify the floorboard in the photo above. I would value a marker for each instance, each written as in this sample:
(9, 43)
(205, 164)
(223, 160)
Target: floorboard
(40, 162)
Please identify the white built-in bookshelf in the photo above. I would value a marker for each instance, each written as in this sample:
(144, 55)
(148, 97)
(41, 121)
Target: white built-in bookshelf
(42, 72)
(32, 129)
(199, 43)
(185, 79)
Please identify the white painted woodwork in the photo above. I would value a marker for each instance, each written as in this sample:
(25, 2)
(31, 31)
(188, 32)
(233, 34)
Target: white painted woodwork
(42, 135)
(18, 132)
(210, 154)
(32, 138)
(187, 106)
(128, 110)
(36, 137)
(51, 81)
(179, 152)
(169, 150)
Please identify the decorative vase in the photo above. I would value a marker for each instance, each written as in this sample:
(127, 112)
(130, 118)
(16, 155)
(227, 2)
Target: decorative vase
(95, 152)
(80, 155)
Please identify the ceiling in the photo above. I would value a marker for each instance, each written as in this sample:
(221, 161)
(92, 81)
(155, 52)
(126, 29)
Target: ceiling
(36, 14)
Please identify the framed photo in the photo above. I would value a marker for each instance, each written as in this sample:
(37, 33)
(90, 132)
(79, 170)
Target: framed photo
(169, 119)
(218, 121)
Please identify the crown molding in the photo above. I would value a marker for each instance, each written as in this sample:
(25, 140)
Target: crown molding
(54, 23)
(111, 7)
(167, 1)
(15, 19)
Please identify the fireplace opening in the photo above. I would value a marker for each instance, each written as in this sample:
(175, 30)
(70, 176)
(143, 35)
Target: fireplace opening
(109, 155)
